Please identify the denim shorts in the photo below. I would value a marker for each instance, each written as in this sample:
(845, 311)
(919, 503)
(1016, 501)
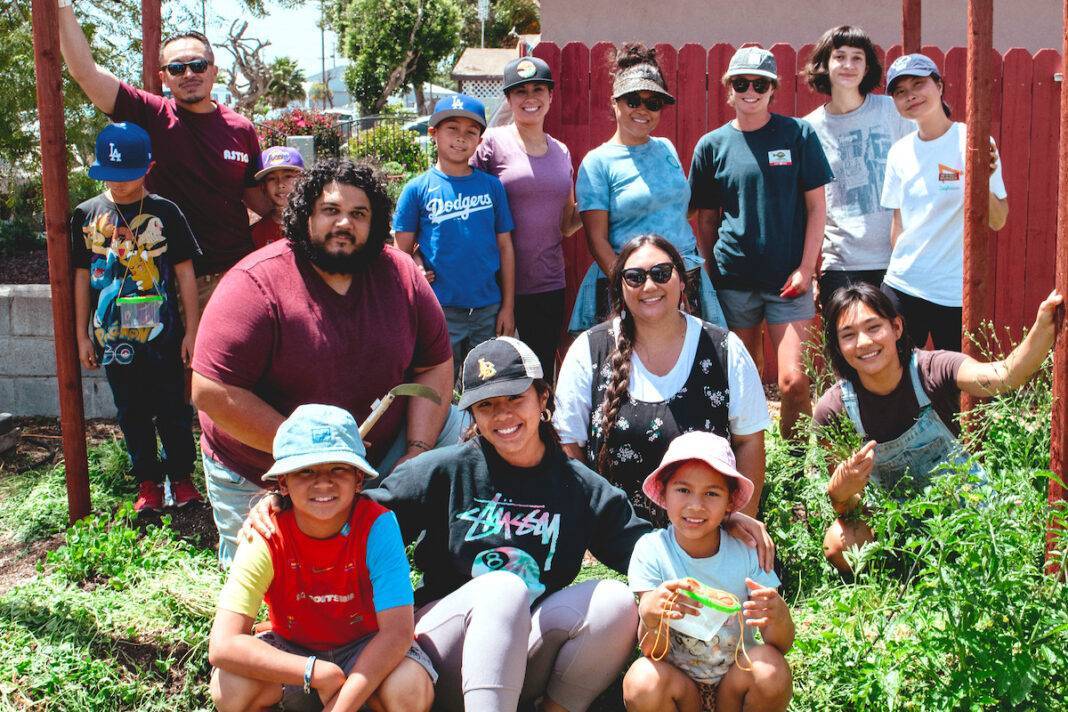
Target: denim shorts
(746, 308)
(468, 328)
(293, 697)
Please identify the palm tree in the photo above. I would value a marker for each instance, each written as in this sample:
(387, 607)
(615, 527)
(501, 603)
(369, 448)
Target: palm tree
(286, 83)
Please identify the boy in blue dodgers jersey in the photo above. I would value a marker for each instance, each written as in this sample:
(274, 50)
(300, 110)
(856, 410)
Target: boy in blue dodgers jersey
(337, 586)
(132, 256)
(459, 219)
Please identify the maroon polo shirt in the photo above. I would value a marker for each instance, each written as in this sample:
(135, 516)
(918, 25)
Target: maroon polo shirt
(274, 327)
(204, 162)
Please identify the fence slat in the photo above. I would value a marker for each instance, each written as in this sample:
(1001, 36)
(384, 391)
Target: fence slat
(891, 54)
(602, 119)
(574, 91)
(955, 79)
(785, 100)
(1015, 145)
(550, 54)
(719, 56)
(668, 59)
(1042, 180)
(693, 105)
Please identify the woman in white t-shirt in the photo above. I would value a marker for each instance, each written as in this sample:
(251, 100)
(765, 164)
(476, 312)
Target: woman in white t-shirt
(630, 385)
(857, 129)
(924, 186)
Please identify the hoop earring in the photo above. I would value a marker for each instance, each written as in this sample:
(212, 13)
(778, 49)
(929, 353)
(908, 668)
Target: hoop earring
(546, 415)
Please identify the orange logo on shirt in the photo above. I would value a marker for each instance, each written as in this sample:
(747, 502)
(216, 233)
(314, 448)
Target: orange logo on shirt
(947, 173)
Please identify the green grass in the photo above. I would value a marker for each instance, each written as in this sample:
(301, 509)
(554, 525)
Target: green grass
(950, 609)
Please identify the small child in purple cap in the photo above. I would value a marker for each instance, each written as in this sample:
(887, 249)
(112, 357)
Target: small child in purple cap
(282, 166)
(699, 486)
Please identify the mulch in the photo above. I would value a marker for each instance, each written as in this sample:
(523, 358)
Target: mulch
(25, 268)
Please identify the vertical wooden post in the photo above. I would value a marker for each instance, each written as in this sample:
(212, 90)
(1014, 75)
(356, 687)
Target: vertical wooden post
(911, 25)
(151, 21)
(1059, 440)
(980, 250)
(45, 19)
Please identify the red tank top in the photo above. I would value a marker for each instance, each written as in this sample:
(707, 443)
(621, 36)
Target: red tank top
(321, 595)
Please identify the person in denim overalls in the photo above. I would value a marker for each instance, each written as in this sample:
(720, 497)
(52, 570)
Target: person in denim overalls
(869, 348)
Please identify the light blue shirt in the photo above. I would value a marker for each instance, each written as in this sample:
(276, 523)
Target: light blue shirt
(643, 189)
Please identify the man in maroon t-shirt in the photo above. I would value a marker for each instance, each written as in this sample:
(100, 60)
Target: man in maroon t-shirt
(206, 154)
(332, 316)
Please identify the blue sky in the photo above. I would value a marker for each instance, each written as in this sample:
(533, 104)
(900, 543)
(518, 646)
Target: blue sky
(292, 31)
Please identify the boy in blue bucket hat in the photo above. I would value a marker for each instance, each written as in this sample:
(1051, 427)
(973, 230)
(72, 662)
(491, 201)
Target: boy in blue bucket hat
(455, 220)
(337, 585)
(132, 252)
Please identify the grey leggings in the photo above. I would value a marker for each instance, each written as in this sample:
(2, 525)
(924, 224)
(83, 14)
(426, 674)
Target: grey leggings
(490, 649)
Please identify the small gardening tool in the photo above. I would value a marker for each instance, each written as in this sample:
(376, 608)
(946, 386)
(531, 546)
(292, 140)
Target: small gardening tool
(378, 408)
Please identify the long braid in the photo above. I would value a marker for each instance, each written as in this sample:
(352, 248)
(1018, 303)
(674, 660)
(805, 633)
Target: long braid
(616, 392)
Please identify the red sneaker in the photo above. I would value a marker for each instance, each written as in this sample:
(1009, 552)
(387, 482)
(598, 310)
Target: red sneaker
(184, 492)
(149, 497)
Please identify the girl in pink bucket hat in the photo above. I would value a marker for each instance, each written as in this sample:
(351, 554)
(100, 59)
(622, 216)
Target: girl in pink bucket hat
(692, 579)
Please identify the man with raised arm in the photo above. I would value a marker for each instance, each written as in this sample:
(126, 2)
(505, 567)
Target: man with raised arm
(206, 154)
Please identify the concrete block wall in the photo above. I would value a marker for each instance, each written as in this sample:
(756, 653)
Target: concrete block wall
(28, 357)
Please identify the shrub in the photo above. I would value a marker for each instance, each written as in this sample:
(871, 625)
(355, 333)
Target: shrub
(299, 122)
(389, 143)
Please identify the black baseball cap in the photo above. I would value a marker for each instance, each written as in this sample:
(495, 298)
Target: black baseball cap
(499, 367)
(527, 70)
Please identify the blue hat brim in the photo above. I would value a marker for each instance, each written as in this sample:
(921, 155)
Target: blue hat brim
(908, 73)
(99, 172)
(440, 116)
(288, 465)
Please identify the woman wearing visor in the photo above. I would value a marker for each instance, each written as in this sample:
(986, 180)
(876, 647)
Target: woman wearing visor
(633, 185)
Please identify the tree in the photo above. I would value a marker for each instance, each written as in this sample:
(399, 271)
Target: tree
(393, 44)
(286, 84)
(250, 75)
(507, 20)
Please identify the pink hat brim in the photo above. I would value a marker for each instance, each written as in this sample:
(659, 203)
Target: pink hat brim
(653, 486)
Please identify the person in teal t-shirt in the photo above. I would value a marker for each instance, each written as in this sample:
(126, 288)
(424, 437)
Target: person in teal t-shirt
(757, 184)
(633, 185)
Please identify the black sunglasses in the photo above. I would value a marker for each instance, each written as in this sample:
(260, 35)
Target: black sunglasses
(177, 69)
(634, 100)
(741, 84)
(661, 273)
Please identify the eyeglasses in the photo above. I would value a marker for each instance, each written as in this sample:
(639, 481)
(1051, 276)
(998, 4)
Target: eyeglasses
(741, 85)
(177, 69)
(634, 100)
(661, 273)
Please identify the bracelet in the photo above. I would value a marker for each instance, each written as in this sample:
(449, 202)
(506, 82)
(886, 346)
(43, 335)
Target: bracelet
(418, 444)
(308, 674)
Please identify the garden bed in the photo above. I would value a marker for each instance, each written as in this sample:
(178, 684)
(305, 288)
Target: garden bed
(29, 267)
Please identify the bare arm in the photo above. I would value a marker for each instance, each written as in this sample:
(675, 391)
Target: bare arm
(570, 221)
(396, 629)
(425, 418)
(82, 307)
(100, 85)
(257, 201)
(575, 451)
(238, 411)
(749, 456)
(984, 379)
(596, 224)
(895, 228)
(232, 648)
(405, 241)
(506, 315)
(707, 233)
(187, 292)
(999, 212)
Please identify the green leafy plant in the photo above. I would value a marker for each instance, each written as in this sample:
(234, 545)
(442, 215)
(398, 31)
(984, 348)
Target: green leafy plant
(300, 122)
(389, 143)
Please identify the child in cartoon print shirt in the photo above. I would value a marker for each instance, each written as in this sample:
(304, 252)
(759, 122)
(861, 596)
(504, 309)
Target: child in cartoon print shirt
(132, 256)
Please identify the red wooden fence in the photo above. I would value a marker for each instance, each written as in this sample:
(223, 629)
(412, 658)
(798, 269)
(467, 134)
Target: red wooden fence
(1024, 122)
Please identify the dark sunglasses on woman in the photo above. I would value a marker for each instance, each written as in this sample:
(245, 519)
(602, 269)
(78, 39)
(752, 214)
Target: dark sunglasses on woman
(741, 85)
(661, 273)
(177, 69)
(634, 100)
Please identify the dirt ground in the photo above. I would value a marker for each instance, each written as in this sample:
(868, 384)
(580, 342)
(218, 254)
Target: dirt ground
(25, 268)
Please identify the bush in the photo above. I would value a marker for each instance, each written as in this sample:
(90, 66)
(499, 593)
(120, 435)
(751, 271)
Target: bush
(389, 143)
(298, 122)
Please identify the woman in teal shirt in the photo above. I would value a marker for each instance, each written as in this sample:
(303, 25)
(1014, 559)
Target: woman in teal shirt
(633, 185)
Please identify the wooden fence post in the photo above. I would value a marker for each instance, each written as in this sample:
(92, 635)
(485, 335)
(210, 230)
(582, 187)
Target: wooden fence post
(150, 41)
(911, 24)
(45, 20)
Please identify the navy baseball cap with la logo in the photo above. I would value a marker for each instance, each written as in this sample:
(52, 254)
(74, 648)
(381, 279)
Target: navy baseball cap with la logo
(123, 152)
(459, 105)
(499, 367)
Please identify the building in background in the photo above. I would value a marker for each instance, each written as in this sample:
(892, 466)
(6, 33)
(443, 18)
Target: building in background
(480, 73)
